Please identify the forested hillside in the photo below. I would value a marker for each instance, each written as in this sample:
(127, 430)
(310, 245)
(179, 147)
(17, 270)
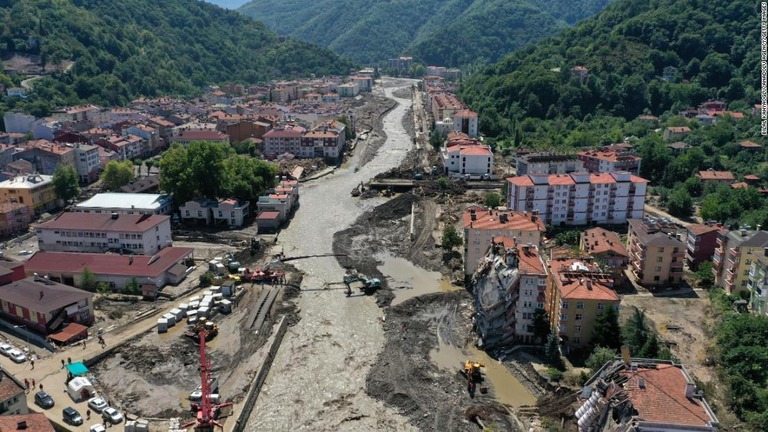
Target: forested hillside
(126, 48)
(228, 4)
(441, 32)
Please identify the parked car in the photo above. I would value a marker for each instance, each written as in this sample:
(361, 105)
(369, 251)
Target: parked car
(71, 416)
(97, 428)
(44, 400)
(97, 404)
(5, 348)
(17, 356)
(112, 415)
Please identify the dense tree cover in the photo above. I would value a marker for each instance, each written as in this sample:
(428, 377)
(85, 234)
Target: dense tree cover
(440, 32)
(139, 47)
(66, 183)
(211, 170)
(607, 331)
(117, 174)
(451, 238)
(626, 47)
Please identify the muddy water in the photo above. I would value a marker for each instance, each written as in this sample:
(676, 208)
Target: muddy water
(409, 280)
(317, 381)
(506, 387)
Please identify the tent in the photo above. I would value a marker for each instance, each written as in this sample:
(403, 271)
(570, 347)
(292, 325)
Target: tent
(77, 369)
(80, 388)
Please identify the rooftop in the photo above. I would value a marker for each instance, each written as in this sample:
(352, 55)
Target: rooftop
(528, 255)
(109, 264)
(41, 295)
(8, 388)
(202, 135)
(33, 422)
(711, 174)
(104, 222)
(27, 182)
(125, 201)
(655, 232)
(601, 241)
(701, 229)
(580, 280)
(476, 217)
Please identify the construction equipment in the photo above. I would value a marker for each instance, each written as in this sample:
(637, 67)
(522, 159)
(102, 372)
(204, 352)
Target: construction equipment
(207, 411)
(261, 275)
(369, 286)
(473, 374)
(210, 328)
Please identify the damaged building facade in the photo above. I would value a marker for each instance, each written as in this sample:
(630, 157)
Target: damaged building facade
(509, 285)
(633, 395)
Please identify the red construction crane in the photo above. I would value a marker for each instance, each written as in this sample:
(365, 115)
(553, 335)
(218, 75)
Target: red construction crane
(207, 410)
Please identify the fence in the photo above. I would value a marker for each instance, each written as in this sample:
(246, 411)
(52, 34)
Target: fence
(253, 394)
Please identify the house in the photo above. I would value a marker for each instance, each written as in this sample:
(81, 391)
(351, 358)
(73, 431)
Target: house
(739, 185)
(676, 133)
(166, 267)
(648, 119)
(43, 305)
(752, 179)
(187, 136)
(35, 191)
(701, 242)
(656, 255)
(735, 252)
(465, 121)
(18, 122)
(608, 160)
(348, 90)
(678, 147)
(706, 119)
(231, 212)
(577, 292)
(402, 64)
(605, 247)
(712, 176)
(481, 225)
(126, 203)
(548, 163)
(580, 72)
(197, 211)
(275, 203)
(149, 134)
(669, 74)
(579, 198)
(473, 160)
(509, 286)
(31, 422)
(126, 147)
(268, 221)
(364, 82)
(16, 91)
(637, 394)
(13, 399)
(14, 218)
(92, 232)
(143, 185)
(750, 145)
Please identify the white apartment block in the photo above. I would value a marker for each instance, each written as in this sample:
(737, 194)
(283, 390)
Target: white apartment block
(579, 198)
(473, 160)
(87, 162)
(91, 232)
(465, 121)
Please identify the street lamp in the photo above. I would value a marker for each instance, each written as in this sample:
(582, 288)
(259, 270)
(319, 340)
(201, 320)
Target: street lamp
(26, 333)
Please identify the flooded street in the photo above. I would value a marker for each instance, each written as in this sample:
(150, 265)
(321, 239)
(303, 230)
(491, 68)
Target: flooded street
(317, 381)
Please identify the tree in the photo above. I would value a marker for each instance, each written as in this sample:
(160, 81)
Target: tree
(206, 279)
(201, 170)
(246, 178)
(65, 183)
(349, 133)
(541, 327)
(552, 350)
(117, 174)
(451, 238)
(132, 287)
(635, 331)
(607, 332)
(88, 280)
(492, 200)
(680, 203)
(436, 138)
(704, 274)
(149, 163)
(599, 357)
(570, 237)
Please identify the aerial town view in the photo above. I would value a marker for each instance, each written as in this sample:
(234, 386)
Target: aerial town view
(294, 215)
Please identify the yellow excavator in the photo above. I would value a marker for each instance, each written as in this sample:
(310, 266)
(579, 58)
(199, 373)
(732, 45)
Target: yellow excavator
(473, 374)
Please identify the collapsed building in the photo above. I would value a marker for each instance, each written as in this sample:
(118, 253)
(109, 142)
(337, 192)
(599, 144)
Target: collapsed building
(509, 286)
(634, 395)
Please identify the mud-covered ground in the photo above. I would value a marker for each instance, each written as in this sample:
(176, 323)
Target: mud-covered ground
(433, 398)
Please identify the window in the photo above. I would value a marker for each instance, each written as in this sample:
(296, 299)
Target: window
(600, 306)
(564, 305)
(577, 329)
(579, 305)
(659, 259)
(563, 317)
(577, 340)
(661, 250)
(658, 269)
(579, 317)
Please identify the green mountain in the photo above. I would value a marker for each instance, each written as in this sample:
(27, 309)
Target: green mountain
(713, 44)
(228, 4)
(126, 48)
(441, 32)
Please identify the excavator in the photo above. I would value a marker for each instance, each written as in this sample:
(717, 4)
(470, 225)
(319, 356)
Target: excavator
(369, 286)
(473, 374)
(209, 328)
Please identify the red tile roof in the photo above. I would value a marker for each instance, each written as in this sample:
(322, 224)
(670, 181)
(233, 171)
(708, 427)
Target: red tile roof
(663, 399)
(103, 222)
(491, 220)
(475, 150)
(529, 260)
(602, 178)
(716, 175)
(608, 155)
(600, 240)
(109, 264)
(286, 132)
(465, 113)
(36, 422)
(740, 185)
(268, 215)
(679, 129)
(750, 145)
(578, 280)
(8, 388)
(701, 229)
(520, 181)
(751, 177)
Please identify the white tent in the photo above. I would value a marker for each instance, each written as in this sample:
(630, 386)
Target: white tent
(79, 388)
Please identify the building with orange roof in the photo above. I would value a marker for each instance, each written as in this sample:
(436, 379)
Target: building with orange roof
(577, 292)
(634, 394)
(548, 163)
(481, 225)
(712, 176)
(606, 247)
(579, 198)
(701, 242)
(47, 156)
(610, 160)
(676, 133)
(467, 159)
(656, 255)
(509, 286)
(324, 141)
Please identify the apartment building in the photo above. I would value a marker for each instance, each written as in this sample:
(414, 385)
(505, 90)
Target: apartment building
(34, 191)
(46, 156)
(14, 218)
(735, 252)
(701, 242)
(757, 283)
(605, 247)
(509, 285)
(444, 105)
(465, 121)
(473, 160)
(325, 141)
(481, 225)
(285, 139)
(656, 255)
(577, 292)
(548, 163)
(610, 160)
(92, 232)
(87, 163)
(579, 198)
